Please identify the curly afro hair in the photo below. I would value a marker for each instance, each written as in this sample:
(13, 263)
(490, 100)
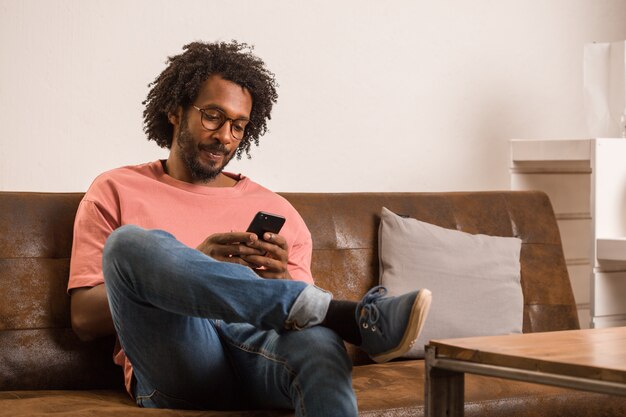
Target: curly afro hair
(179, 84)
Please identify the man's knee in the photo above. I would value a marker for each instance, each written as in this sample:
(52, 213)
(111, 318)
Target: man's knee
(125, 247)
(121, 240)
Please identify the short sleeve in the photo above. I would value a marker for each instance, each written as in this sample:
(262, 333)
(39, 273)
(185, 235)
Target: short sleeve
(300, 257)
(92, 227)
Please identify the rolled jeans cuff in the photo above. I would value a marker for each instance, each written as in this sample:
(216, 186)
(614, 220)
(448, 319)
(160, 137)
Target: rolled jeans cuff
(309, 309)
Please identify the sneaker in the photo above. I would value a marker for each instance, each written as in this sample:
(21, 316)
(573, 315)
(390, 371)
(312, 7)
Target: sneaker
(390, 326)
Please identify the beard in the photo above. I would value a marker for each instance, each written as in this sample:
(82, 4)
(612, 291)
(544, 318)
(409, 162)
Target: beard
(200, 171)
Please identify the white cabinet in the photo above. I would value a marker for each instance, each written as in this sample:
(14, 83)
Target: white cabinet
(586, 182)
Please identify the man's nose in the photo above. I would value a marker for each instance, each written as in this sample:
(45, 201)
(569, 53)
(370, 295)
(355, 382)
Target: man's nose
(224, 133)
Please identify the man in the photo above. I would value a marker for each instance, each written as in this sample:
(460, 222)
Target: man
(209, 316)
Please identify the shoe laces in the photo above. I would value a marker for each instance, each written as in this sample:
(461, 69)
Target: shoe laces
(370, 311)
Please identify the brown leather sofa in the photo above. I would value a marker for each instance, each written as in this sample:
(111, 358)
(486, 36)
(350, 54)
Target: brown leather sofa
(46, 371)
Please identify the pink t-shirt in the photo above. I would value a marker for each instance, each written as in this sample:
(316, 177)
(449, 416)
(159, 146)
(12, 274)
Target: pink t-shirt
(144, 195)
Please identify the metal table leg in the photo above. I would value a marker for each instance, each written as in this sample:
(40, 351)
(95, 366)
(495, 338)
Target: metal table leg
(444, 390)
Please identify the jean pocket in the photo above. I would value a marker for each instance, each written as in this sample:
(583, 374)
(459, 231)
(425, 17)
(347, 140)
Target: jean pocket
(157, 399)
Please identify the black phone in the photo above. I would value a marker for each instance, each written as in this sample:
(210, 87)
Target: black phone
(266, 222)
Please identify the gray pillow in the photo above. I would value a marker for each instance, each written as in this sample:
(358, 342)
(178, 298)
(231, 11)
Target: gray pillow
(474, 279)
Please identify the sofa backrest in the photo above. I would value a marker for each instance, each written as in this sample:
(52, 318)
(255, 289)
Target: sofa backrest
(38, 349)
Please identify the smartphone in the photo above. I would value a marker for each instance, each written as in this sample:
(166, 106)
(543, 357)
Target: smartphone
(266, 222)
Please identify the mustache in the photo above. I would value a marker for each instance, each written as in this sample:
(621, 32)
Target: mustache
(216, 148)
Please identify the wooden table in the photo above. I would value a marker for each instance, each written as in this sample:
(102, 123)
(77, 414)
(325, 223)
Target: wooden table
(590, 360)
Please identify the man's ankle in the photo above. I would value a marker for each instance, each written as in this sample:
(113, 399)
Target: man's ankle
(341, 318)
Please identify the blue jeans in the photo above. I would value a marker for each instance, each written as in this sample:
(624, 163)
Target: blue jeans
(203, 334)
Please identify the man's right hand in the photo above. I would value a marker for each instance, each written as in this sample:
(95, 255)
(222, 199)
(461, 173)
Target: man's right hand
(230, 247)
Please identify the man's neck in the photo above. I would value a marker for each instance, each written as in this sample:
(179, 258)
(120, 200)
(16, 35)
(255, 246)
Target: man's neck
(181, 174)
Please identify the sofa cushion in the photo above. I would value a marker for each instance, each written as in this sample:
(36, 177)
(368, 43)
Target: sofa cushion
(475, 279)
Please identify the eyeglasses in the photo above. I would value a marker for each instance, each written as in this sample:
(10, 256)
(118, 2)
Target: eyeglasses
(214, 118)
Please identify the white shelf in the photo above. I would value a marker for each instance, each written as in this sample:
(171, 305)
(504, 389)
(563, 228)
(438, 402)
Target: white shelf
(551, 150)
(586, 182)
(611, 249)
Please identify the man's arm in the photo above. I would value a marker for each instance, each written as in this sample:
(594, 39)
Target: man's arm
(90, 314)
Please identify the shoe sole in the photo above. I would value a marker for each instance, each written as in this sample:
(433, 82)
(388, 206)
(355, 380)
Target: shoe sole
(418, 315)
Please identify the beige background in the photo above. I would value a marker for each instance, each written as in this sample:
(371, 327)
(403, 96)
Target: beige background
(375, 95)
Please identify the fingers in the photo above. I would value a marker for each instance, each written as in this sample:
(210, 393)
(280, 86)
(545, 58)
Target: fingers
(226, 246)
(268, 267)
(276, 240)
(267, 255)
(266, 262)
(233, 238)
(270, 242)
(235, 251)
(238, 260)
(273, 262)
(268, 274)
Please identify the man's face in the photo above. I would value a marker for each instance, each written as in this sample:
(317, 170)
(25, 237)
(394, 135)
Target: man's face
(204, 161)
(203, 154)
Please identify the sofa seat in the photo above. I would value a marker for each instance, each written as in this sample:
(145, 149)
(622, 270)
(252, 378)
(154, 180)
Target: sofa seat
(392, 390)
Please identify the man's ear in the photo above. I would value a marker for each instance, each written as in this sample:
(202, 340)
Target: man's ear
(174, 117)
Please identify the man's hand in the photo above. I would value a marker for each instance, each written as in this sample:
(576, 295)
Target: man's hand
(230, 247)
(272, 260)
(268, 257)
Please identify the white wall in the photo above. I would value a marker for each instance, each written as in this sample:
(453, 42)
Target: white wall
(375, 95)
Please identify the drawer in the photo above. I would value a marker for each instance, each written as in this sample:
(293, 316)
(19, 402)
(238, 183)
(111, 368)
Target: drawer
(610, 288)
(584, 317)
(568, 192)
(613, 321)
(580, 277)
(576, 238)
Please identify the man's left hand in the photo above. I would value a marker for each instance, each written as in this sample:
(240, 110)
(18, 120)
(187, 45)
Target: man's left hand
(273, 264)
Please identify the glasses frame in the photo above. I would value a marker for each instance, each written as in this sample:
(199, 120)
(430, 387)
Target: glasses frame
(226, 119)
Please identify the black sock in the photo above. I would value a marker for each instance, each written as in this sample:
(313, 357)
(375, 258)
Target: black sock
(341, 318)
